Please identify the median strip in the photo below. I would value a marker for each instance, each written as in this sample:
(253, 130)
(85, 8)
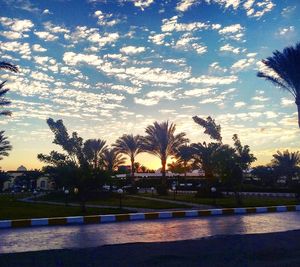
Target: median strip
(96, 219)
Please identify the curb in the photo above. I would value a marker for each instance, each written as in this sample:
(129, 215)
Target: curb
(96, 219)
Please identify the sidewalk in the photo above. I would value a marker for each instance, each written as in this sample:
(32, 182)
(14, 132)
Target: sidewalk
(132, 209)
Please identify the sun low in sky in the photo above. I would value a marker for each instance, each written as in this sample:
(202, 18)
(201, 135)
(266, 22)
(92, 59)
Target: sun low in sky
(113, 67)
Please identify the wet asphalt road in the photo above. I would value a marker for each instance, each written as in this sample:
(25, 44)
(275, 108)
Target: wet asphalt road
(83, 236)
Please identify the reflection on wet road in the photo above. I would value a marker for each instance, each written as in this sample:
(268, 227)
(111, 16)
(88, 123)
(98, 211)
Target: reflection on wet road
(43, 238)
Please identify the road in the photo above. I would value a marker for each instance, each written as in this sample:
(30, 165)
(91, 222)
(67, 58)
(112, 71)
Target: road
(82, 236)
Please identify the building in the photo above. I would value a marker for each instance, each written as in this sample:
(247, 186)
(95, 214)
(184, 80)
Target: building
(29, 181)
(45, 183)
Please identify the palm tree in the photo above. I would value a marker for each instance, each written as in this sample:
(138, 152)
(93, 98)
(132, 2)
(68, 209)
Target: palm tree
(4, 146)
(286, 163)
(184, 156)
(8, 66)
(112, 159)
(205, 154)
(162, 142)
(131, 146)
(286, 68)
(93, 150)
(3, 100)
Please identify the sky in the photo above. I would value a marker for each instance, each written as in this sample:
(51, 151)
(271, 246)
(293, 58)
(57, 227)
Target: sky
(108, 68)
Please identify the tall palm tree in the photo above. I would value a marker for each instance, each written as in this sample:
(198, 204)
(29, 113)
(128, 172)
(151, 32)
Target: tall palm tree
(286, 68)
(131, 146)
(93, 150)
(4, 146)
(161, 141)
(112, 159)
(184, 156)
(286, 163)
(3, 91)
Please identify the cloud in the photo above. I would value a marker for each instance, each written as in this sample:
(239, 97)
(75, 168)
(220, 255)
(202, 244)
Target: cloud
(258, 9)
(16, 27)
(131, 50)
(46, 36)
(47, 12)
(169, 25)
(146, 102)
(287, 11)
(234, 31)
(83, 34)
(142, 4)
(21, 48)
(73, 59)
(286, 32)
(105, 19)
(242, 64)
(230, 48)
(260, 98)
(184, 5)
(50, 27)
(287, 102)
(186, 42)
(199, 91)
(214, 80)
(38, 48)
(152, 98)
(239, 104)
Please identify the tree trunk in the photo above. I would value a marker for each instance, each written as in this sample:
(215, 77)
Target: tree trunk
(132, 170)
(163, 172)
(298, 107)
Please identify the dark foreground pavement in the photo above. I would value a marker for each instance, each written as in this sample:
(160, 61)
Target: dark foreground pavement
(274, 249)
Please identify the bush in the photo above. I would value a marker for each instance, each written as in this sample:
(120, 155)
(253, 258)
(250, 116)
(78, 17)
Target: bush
(131, 190)
(205, 192)
(162, 190)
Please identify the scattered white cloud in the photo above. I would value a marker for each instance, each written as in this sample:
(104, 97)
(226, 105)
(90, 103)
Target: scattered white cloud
(287, 102)
(242, 64)
(38, 48)
(169, 25)
(105, 19)
(239, 104)
(46, 36)
(16, 27)
(214, 80)
(234, 31)
(184, 5)
(131, 50)
(230, 48)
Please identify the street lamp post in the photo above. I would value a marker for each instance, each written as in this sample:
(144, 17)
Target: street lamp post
(34, 194)
(152, 191)
(66, 196)
(213, 191)
(174, 191)
(120, 192)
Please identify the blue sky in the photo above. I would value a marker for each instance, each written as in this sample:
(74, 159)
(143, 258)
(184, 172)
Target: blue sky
(113, 67)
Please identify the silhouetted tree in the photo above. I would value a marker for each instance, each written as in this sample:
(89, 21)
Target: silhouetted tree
(5, 146)
(286, 164)
(184, 155)
(3, 91)
(131, 146)
(161, 141)
(93, 150)
(283, 70)
(112, 159)
(210, 126)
